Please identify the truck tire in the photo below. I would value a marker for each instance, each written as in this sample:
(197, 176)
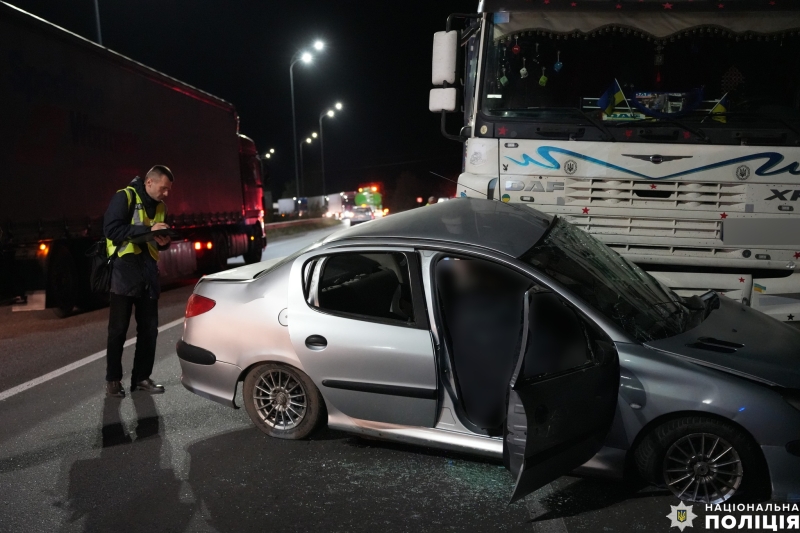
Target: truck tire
(62, 281)
(255, 248)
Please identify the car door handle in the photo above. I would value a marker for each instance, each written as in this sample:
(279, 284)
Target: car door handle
(316, 342)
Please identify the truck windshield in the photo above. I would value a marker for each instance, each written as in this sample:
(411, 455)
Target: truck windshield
(617, 288)
(650, 70)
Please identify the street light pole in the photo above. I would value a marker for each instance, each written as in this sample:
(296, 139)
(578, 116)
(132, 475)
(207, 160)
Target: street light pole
(97, 22)
(305, 57)
(294, 128)
(322, 149)
(328, 113)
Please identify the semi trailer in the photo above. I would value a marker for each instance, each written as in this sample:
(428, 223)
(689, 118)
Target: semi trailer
(77, 123)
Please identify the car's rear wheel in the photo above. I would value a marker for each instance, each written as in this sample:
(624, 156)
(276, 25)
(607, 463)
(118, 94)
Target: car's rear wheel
(703, 459)
(282, 401)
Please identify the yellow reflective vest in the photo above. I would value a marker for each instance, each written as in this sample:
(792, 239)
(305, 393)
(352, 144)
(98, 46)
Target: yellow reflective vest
(140, 218)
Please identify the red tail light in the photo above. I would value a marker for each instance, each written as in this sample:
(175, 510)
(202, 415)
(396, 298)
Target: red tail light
(197, 305)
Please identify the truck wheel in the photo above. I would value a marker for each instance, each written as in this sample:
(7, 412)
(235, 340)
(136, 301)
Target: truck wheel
(220, 260)
(255, 248)
(62, 282)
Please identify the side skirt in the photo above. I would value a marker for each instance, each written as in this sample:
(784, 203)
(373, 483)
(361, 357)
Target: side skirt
(435, 438)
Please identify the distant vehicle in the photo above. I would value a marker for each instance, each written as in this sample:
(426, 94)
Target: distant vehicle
(79, 122)
(481, 327)
(370, 195)
(655, 126)
(359, 215)
(286, 206)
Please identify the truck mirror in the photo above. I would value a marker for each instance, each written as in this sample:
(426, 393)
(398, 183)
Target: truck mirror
(445, 51)
(442, 99)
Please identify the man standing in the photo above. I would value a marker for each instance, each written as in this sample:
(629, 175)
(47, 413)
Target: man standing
(135, 210)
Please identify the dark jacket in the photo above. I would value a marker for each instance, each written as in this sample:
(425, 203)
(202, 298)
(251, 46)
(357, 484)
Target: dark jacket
(133, 274)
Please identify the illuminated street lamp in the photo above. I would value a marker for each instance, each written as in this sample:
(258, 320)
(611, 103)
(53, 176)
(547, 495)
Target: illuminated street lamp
(305, 57)
(308, 140)
(330, 114)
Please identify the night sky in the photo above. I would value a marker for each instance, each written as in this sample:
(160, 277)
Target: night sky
(376, 62)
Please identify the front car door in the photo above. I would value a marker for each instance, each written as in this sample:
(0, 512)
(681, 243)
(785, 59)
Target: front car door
(357, 322)
(563, 393)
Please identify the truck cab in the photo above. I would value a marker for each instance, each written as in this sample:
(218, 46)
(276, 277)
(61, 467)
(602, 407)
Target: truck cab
(669, 130)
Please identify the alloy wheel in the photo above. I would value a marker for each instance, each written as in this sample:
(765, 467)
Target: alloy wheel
(280, 399)
(702, 467)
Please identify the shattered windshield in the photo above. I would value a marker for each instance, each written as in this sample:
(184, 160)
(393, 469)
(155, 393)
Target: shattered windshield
(620, 290)
(617, 73)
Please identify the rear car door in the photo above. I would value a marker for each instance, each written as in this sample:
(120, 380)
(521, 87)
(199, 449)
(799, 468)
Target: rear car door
(357, 322)
(562, 395)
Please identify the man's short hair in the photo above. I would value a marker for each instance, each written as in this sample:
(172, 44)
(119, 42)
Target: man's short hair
(160, 170)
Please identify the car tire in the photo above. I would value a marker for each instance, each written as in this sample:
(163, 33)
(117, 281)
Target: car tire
(693, 446)
(267, 391)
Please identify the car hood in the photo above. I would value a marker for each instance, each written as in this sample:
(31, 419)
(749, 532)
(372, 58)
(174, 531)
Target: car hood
(743, 341)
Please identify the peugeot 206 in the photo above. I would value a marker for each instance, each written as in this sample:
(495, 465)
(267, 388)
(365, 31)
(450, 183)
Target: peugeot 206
(497, 330)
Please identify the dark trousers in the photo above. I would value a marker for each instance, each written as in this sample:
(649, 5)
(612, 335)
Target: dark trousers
(146, 334)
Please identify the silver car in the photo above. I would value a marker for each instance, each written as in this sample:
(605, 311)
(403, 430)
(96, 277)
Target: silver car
(481, 327)
(359, 215)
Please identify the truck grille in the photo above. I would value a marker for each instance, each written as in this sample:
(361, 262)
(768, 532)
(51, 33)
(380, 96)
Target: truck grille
(689, 196)
(648, 226)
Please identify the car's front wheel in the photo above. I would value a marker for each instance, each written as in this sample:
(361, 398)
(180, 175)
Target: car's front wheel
(703, 459)
(282, 401)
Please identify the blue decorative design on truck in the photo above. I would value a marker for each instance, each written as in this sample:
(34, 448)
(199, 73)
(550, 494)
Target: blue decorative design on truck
(767, 169)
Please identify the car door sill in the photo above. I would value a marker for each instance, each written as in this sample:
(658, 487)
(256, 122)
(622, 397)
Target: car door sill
(434, 437)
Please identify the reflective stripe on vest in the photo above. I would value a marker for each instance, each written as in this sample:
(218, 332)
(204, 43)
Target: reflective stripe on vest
(140, 218)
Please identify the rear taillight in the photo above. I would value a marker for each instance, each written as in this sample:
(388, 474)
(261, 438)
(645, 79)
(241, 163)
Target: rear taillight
(197, 305)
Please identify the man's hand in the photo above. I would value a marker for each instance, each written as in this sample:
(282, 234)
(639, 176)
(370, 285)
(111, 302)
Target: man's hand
(162, 240)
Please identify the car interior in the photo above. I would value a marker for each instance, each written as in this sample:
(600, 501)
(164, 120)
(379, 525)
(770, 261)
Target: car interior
(372, 285)
(481, 306)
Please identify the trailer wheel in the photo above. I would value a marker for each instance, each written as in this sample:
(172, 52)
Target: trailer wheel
(255, 248)
(62, 281)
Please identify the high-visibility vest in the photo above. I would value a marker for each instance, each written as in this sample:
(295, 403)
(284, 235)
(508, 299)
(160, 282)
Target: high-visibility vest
(140, 218)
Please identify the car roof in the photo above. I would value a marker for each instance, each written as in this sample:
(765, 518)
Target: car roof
(509, 229)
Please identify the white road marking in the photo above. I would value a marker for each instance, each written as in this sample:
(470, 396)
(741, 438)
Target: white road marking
(72, 366)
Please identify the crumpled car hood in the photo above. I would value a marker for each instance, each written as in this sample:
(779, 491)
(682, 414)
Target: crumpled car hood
(743, 341)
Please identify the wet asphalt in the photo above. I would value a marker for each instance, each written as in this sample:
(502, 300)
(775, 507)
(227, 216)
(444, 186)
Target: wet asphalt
(73, 460)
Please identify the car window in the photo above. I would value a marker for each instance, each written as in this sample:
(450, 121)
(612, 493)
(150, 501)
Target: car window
(366, 285)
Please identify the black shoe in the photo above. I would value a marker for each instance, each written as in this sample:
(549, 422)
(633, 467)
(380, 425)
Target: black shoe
(147, 385)
(114, 389)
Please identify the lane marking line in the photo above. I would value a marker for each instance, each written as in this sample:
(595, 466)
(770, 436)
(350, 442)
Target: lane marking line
(72, 366)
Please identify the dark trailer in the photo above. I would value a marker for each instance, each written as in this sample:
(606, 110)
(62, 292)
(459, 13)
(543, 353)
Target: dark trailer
(77, 123)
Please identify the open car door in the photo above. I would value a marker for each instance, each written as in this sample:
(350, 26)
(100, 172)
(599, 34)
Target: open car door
(563, 393)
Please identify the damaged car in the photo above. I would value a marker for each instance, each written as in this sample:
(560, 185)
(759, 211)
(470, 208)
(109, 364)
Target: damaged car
(491, 329)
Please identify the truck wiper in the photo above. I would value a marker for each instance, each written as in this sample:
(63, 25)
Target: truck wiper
(673, 121)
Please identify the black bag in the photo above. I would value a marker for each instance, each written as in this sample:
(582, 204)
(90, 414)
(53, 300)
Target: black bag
(102, 263)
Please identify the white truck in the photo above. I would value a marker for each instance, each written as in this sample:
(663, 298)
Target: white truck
(670, 130)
